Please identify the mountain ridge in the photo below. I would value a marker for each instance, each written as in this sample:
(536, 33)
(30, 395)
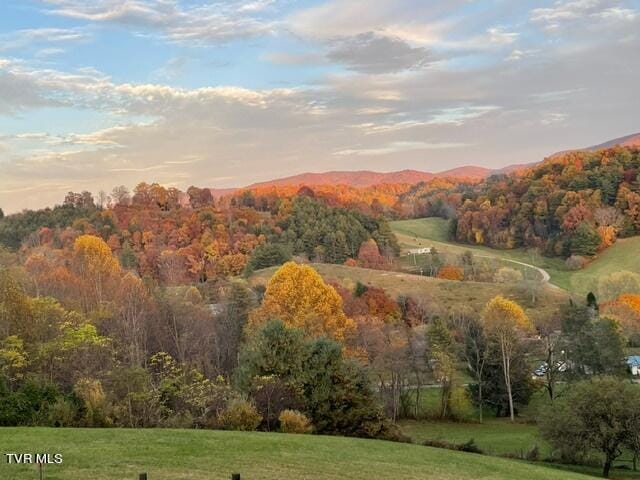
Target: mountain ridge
(368, 178)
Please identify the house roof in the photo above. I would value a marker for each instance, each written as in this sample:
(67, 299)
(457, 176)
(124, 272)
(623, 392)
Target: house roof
(633, 361)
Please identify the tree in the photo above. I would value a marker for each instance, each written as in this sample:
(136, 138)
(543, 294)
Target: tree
(585, 240)
(505, 322)
(450, 272)
(598, 415)
(95, 264)
(336, 393)
(298, 295)
(133, 303)
(268, 255)
(443, 353)
(121, 195)
(476, 352)
(369, 256)
(237, 302)
(592, 345)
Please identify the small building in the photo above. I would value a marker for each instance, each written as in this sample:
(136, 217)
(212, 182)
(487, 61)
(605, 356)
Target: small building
(419, 251)
(634, 365)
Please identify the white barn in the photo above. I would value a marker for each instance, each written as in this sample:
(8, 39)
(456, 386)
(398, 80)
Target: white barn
(419, 251)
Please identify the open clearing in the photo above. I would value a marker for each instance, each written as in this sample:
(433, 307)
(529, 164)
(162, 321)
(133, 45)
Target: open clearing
(449, 295)
(119, 454)
(427, 232)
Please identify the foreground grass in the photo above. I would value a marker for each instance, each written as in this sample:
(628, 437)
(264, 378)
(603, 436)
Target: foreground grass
(426, 232)
(117, 454)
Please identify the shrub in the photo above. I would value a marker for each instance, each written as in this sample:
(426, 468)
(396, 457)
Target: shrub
(533, 455)
(239, 415)
(575, 262)
(460, 406)
(292, 421)
(449, 272)
(63, 413)
(272, 396)
(507, 275)
(469, 446)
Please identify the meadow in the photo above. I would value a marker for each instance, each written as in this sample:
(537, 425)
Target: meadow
(428, 232)
(446, 294)
(109, 454)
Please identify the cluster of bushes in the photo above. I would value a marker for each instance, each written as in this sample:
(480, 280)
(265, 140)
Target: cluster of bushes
(469, 447)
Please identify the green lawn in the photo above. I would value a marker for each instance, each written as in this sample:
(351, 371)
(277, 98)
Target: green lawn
(117, 454)
(433, 232)
(502, 438)
(494, 436)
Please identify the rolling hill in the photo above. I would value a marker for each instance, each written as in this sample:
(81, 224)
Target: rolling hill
(433, 232)
(446, 293)
(106, 454)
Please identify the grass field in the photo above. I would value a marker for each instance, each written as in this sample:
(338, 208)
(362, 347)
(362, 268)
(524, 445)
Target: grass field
(449, 295)
(433, 232)
(117, 454)
(494, 436)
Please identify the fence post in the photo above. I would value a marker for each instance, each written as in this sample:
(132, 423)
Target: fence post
(142, 476)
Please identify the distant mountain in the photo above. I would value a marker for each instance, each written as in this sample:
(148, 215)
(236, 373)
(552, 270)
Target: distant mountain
(628, 141)
(365, 178)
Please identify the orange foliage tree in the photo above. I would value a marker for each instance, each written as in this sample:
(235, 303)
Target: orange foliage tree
(369, 256)
(450, 272)
(297, 295)
(626, 311)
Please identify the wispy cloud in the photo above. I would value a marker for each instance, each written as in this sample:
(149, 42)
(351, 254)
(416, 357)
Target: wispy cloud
(398, 147)
(206, 22)
(19, 39)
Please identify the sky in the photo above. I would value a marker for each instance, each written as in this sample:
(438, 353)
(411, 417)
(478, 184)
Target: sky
(100, 93)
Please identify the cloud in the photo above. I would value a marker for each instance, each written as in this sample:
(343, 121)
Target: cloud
(373, 53)
(18, 91)
(499, 36)
(197, 23)
(587, 12)
(397, 147)
(407, 20)
(440, 91)
(20, 39)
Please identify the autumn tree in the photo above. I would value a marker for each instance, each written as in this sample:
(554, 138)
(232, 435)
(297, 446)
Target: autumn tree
(298, 295)
(505, 322)
(95, 264)
(450, 272)
(133, 304)
(369, 256)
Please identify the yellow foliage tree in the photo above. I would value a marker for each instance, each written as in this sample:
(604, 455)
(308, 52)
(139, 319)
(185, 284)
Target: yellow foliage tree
(297, 295)
(504, 322)
(95, 264)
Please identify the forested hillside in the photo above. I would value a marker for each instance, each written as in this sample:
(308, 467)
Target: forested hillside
(575, 204)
